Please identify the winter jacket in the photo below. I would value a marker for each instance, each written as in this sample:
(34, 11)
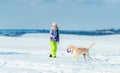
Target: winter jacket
(54, 34)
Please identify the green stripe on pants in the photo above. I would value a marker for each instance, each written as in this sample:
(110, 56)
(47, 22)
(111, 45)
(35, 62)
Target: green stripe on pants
(53, 48)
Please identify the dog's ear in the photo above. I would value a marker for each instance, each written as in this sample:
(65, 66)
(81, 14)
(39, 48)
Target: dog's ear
(71, 47)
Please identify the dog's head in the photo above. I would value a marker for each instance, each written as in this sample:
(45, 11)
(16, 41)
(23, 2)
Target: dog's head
(70, 48)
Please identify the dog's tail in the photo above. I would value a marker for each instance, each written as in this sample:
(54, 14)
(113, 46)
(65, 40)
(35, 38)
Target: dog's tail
(91, 46)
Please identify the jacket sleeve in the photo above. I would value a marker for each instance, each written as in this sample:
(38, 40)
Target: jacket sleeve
(51, 34)
(58, 35)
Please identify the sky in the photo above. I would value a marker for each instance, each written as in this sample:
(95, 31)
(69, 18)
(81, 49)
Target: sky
(68, 14)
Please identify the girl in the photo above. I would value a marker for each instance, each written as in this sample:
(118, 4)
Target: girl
(54, 39)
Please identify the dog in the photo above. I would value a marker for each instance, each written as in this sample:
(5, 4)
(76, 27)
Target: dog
(80, 51)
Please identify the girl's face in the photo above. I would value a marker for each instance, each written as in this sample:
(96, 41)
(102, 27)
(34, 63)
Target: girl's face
(54, 25)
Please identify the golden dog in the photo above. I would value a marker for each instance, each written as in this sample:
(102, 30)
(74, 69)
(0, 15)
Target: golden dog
(78, 51)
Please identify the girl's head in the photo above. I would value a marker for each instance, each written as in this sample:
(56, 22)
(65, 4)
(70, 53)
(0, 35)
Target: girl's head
(54, 25)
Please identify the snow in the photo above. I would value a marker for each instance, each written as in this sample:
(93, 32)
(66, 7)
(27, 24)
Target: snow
(30, 54)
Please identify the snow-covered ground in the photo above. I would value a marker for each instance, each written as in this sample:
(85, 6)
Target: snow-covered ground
(30, 54)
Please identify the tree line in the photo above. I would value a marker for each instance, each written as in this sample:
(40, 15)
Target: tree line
(98, 32)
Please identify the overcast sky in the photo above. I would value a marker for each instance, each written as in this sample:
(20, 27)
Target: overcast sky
(68, 14)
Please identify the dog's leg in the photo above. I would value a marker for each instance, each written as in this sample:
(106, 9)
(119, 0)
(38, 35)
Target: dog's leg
(89, 56)
(84, 55)
(75, 57)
